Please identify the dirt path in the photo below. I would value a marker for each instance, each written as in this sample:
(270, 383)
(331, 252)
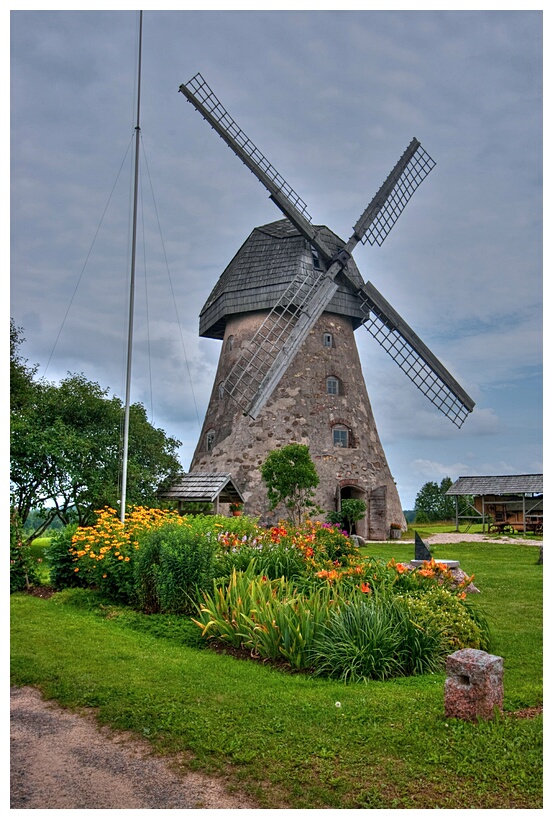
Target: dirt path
(62, 760)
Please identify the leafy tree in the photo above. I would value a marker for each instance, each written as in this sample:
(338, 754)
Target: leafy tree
(432, 503)
(291, 478)
(65, 454)
(22, 384)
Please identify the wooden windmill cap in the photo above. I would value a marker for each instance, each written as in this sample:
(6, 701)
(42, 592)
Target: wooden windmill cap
(262, 269)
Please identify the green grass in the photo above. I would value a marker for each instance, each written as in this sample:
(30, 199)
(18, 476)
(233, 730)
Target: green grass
(281, 736)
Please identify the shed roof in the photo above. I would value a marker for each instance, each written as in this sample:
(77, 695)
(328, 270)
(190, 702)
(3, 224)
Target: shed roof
(497, 485)
(203, 488)
(262, 269)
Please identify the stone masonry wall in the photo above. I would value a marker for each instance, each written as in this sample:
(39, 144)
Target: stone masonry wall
(301, 411)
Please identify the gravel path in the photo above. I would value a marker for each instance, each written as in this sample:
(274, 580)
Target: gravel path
(62, 760)
(459, 537)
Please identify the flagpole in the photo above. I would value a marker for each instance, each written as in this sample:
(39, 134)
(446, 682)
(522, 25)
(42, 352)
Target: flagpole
(131, 298)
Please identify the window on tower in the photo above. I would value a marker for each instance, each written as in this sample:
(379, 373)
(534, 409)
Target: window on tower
(210, 440)
(340, 436)
(230, 342)
(327, 339)
(332, 385)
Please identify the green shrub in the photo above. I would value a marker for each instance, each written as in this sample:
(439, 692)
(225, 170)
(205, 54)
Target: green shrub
(274, 560)
(62, 561)
(374, 638)
(23, 572)
(173, 564)
(461, 624)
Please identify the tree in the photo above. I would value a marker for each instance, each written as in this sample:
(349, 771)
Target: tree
(432, 503)
(291, 477)
(22, 384)
(65, 458)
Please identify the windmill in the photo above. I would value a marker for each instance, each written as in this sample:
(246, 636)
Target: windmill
(322, 281)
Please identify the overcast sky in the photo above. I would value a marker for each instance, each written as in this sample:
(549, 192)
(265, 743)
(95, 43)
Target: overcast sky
(332, 99)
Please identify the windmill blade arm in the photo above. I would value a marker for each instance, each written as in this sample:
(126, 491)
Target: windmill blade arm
(413, 356)
(381, 214)
(200, 95)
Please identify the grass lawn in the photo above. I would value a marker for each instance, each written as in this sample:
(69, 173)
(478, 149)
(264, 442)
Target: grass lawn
(283, 737)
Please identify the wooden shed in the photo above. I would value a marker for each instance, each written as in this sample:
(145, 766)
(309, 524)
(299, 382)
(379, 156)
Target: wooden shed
(211, 487)
(502, 503)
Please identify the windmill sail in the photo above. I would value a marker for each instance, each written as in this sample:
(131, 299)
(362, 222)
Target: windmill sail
(413, 356)
(259, 369)
(200, 95)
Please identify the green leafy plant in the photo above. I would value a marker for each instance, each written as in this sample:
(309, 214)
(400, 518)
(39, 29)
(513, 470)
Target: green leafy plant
(61, 560)
(173, 564)
(352, 510)
(23, 572)
(291, 478)
(269, 618)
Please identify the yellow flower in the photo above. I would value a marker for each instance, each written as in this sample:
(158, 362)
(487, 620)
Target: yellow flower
(76, 569)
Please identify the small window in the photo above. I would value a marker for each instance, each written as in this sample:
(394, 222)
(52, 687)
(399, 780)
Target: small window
(221, 389)
(230, 342)
(340, 436)
(332, 386)
(327, 339)
(210, 440)
(316, 259)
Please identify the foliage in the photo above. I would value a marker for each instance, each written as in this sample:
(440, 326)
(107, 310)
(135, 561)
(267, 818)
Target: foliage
(267, 617)
(23, 572)
(433, 504)
(22, 384)
(102, 554)
(291, 477)
(174, 563)
(196, 508)
(65, 448)
(293, 739)
(283, 551)
(457, 621)
(352, 510)
(61, 560)
(375, 638)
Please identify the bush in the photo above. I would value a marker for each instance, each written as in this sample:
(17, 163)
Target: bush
(374, 638)
(460, 623)
(61, 560)
(352, 510)
(174, 563)
(23, 572)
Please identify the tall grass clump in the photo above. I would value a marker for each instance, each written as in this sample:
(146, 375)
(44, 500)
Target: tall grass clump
(267, 617)
(375, 639)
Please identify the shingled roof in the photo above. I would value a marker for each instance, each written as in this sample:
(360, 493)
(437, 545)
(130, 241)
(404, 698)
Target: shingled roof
(497, 485)
(204, 488)
(259, 273)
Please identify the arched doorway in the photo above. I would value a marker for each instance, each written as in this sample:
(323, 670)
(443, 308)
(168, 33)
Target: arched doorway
(348, 491)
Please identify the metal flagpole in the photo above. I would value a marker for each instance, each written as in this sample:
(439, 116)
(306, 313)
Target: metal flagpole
(131, 299)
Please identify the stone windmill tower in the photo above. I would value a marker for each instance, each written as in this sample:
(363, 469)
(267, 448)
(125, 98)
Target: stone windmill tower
(286, 309)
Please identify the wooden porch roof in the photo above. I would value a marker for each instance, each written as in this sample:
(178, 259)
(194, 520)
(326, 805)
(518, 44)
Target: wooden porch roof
(497, 485)
(204, 488)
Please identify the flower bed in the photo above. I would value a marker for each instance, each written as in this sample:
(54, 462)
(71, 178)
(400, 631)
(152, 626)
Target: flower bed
(299, 594)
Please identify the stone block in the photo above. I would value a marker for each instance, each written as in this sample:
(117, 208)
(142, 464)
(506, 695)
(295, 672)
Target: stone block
(474, 684)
